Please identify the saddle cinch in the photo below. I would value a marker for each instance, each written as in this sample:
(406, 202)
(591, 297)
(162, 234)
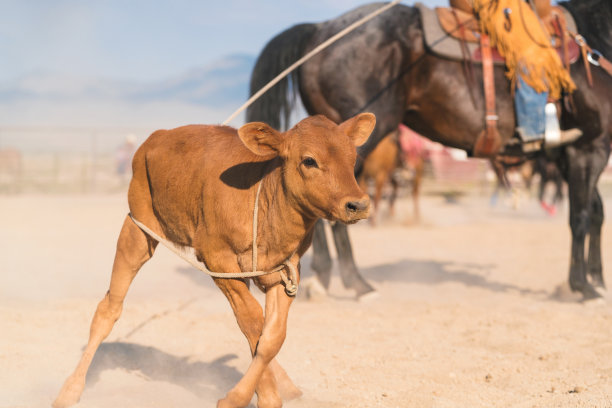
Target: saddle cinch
(454, 33)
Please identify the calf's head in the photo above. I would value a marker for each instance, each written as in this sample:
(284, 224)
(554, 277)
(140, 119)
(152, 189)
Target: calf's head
(318, 160)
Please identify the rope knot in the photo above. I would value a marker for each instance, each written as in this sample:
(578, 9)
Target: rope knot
(290, 280)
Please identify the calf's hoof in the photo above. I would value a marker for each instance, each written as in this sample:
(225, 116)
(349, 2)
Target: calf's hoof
(289, 392)
(597, 280)
(234, 399)
(269, 403)
(70, 393)
(287, 389)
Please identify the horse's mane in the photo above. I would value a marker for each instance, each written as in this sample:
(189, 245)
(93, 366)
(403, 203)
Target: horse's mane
(594, 22)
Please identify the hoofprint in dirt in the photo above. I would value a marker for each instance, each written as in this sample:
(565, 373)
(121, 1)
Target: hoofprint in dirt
(473, 311)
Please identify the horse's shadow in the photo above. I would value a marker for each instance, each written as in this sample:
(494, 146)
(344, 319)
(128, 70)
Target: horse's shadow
(200, 378)
(438, 272)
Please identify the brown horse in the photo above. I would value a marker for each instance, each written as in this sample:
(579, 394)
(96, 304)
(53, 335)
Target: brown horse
(379, 166)
(401, 151)
(199, 187)
(414, 154)
(385, 67)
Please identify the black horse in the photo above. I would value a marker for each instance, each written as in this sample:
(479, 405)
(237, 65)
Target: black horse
(384, 67)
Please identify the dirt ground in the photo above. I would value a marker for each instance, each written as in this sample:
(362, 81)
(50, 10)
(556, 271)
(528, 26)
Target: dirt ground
(473, 310)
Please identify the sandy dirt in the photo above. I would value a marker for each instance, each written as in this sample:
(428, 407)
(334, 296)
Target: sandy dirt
(473, 310)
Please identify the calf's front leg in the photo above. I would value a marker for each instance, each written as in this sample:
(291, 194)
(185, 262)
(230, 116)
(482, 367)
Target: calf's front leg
(265, 342)
(134, 248)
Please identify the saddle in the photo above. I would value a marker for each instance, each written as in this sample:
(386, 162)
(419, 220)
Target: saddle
(464, 27)
(455, 33)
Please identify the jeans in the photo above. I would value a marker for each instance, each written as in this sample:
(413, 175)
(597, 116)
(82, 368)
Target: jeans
(529, 106)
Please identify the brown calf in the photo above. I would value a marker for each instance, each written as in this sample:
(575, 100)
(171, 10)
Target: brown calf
(196, 186)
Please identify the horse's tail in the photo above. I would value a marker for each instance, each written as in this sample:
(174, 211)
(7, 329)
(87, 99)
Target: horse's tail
(282, 51)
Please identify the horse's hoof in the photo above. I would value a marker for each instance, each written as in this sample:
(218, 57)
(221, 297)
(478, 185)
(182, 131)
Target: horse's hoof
(551, 209)
(313, 289)
(368, 296)
(597, 280)
(599, 285)
(583, 287)
(601, 291)
(589, 293)
(362, 288)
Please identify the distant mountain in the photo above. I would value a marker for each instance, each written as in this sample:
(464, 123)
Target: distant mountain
(225, 82)
(57, 112)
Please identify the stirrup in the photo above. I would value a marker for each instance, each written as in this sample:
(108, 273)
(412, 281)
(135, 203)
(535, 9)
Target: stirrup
(565, 137)
(532, 145)
(529, 144)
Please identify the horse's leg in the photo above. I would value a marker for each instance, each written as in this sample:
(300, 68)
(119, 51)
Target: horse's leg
(321, 260)
(542, 187)
(416, 187)
(503, 184)
(351, 278)
(594, 267)
(265, 335)
(379, 183)
(362, 180)
(582, 179)
(393, 196)
(558, 189)
(134, 248)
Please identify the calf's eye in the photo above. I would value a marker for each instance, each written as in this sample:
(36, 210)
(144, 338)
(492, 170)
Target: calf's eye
(310, 162)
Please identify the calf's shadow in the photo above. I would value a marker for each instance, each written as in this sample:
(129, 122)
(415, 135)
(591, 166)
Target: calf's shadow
(200, 378)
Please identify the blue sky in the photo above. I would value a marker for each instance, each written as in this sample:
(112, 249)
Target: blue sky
(143, 40)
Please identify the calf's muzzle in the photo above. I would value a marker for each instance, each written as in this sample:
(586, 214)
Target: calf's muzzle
(357, 209)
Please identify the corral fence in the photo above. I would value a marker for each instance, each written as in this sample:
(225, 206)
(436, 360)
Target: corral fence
(54, 159)
(66, 159)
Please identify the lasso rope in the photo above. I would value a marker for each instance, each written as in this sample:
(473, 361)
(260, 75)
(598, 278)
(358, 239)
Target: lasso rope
(306, 57)
(289, 280)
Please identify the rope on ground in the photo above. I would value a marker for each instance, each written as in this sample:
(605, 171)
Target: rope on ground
(155, 317)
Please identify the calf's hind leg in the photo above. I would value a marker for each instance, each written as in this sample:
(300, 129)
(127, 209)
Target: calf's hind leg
(134, 248)
(265, 338)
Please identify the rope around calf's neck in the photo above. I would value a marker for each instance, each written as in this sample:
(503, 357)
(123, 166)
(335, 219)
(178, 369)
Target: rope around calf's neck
(290, 279)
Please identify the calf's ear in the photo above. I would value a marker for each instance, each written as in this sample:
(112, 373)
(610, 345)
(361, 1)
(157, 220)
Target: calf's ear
(260, 138)
(359, 127)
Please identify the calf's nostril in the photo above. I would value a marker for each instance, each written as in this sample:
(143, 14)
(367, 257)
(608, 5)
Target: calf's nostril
(355, 206)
